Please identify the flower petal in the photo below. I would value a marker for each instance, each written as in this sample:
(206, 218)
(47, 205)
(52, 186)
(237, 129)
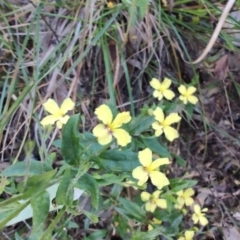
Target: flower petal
(157, 95)
(104, 114)
(168, 94)
(189, 234)
(122, 136)
(100, 131)
(59, 124)
(159, 179)
(191, 90)
(121, 118)
(159, 115)
(183, 99)
(103, 140)
(159, 162)
(162, 203)
(64, 119)
(203, 221)
(150, 207)
(49, 120)
(145, 157)
(139, 173)
(172, 118)
(156, 194)
(182, 89)
(197, 209)
(155, 83)
(180, 193)
(145, 196)
(170, 133)
(51, 106)
(166, 83)
(67, 105)
(192, 99)
(195, 218)
(189, 192)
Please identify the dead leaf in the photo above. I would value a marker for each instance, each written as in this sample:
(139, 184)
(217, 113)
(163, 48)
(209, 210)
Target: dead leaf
(221, 67)
(231, 233)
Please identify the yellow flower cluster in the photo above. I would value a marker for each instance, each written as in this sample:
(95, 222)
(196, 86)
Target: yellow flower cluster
(161, 90)
(150, 169)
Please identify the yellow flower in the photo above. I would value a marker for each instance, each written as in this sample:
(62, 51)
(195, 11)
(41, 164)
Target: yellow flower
(199, 215)
(162, 89)
(188, 235)
(105, 132)
(187, 94)
(110, 4)
(185, 197)
(58, 114)
(153, 201)
(150, 169)
(154, 222)
(163, 124)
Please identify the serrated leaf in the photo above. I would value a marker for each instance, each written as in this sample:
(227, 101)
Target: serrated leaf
(118, 161)
(89, 184)
(156, 146)
(71, 148)
(40, 205)
(29, 168)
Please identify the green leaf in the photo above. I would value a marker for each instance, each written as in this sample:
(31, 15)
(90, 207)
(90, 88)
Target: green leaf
(89, 184)
(71, 148)
(24, 168)
(143, 6)
(62, 197)
(118, 161)
(156, 146)
(132, 209)
(108, 179)
(99, 234)
(91, 216)
(140, 124)
(150, 235)
(178, 184)
(40, 205)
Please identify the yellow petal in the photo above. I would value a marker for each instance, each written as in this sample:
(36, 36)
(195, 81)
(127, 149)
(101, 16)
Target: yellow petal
(183, 99)
(49, 120)
(159, 115)
(189, 234)
(155, 83)
(59, 124)
(122, 136)
(195, 218)
(197, 209)
(158, 132)
(157, 95)
(145, 157)
(158, 179)
(168, 94)
(188, 193)
(180, 193)
(166, 83)
(100, 131)
(104, 114)
(189, 201)
(182, 89)
(51, 106)
(170, 133)
(203, 221)
(139, 173)
(192, 99)
(162, 203)
(67, 105)
(120, 119)
(64, 119)
(105, 139)
(159, 162)
(181, 238)
(145, 196)
(157, 126)
(171, 118)
(150, 207)
(191, 90)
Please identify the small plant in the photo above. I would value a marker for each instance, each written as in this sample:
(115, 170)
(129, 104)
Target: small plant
(121, 151)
